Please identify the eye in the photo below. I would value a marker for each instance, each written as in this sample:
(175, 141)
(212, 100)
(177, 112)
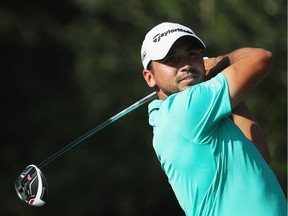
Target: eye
(192, 54)
(170, 59)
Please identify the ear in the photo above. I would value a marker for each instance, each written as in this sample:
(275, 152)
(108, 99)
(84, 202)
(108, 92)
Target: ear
(149, 77)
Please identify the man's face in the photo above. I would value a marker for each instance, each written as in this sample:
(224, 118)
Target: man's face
(182, 67)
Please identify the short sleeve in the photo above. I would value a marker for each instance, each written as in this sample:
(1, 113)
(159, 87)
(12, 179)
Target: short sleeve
(196, 110)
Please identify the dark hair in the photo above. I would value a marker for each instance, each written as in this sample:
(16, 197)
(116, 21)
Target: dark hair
(150, 67)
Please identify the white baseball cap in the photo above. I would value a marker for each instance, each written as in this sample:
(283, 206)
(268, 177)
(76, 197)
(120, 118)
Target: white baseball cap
(160, 39)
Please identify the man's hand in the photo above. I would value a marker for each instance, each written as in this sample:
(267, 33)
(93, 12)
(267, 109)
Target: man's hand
(213, 66)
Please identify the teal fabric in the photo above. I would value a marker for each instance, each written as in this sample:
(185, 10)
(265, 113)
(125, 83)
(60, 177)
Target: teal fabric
(211, 166)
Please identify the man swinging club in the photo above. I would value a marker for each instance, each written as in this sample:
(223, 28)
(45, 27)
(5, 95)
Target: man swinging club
(208, 143)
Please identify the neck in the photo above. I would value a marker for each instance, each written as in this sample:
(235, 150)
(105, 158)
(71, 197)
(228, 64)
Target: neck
(161, 95)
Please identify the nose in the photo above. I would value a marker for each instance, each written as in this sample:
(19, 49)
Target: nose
(186, 68)
(185, 65)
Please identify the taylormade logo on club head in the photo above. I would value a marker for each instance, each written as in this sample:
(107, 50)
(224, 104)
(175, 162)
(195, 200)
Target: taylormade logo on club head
(158, 37)
(31, 186)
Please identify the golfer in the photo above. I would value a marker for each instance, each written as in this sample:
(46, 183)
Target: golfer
(208, 143)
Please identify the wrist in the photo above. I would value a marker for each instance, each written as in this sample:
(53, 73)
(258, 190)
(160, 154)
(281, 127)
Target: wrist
(218, 65)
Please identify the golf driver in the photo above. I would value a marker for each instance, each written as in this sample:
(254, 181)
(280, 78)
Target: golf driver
(31, 185)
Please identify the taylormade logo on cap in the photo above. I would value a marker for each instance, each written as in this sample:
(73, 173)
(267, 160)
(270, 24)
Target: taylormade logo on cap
(160, 39)
(157, 37)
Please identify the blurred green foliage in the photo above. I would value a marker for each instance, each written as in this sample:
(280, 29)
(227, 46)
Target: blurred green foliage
(69, 65)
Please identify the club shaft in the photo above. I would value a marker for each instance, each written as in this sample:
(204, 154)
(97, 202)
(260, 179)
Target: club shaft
(98, 128)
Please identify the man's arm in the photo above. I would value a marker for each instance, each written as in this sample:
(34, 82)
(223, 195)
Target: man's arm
(241, 114)
(248, 67)
(247, 123)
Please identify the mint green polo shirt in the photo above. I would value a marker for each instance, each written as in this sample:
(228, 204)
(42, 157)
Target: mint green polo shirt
(211, 166)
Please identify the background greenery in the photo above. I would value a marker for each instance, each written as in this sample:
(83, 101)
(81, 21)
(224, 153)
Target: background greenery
(66, 66)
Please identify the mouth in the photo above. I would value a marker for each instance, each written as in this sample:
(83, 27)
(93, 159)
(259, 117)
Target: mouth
(189, 78)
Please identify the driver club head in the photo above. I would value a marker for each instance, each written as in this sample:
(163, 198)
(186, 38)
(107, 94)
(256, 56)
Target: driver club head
(31, 186)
